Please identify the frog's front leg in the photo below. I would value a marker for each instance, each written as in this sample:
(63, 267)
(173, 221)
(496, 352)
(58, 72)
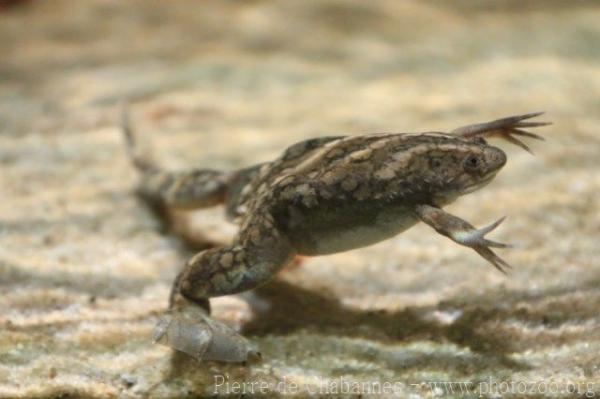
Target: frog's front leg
(463, 233)
(257, 254)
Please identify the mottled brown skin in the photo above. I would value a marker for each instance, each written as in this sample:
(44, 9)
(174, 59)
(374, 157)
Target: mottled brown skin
(320, 196)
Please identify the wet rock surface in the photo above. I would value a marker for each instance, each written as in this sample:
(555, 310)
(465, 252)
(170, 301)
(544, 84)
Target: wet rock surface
(85, 268)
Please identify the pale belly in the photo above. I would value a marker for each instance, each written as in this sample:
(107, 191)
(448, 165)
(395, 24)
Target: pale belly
(316, 236)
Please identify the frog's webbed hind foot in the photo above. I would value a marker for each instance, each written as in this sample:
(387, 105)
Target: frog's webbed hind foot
(505, 128)
(189, 329)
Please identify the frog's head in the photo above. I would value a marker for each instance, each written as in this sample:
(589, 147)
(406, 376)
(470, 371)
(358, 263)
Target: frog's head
(462, 166)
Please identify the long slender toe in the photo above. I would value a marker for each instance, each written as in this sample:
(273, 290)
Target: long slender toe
(492, 226)
(494, 259)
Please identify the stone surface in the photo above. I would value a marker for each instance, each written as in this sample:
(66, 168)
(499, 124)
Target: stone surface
(85, 270)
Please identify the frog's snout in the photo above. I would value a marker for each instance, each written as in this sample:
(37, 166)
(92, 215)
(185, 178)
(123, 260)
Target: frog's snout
(495, 158)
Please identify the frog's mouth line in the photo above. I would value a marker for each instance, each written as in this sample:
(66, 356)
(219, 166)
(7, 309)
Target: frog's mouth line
(448, 197)
(480, 184)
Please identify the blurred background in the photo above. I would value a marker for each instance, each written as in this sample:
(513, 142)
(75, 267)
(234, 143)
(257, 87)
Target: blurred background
(85, 269)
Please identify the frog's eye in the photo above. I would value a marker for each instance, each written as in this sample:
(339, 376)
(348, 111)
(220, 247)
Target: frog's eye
(472, 162)
(436, 163)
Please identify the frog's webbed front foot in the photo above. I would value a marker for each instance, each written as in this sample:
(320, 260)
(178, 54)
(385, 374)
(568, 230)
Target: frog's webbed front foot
(257, 254)
(463, 233)
(505, 128)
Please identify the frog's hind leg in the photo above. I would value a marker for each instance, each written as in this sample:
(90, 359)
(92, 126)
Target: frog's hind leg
(505, 128)
(190, 189)
(256, 255)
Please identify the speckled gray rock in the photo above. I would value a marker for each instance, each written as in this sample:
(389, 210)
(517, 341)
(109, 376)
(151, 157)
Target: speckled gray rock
(85, 269)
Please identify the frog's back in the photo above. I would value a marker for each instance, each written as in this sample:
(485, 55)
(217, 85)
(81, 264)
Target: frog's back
(359, 168)
(247, 183)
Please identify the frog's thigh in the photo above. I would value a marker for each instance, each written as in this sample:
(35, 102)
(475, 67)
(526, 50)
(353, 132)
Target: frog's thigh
(256, 255)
